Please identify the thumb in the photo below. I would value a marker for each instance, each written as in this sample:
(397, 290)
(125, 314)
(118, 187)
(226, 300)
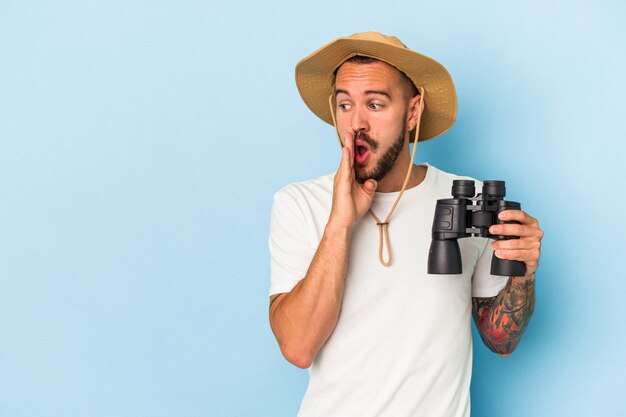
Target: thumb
(370, 186)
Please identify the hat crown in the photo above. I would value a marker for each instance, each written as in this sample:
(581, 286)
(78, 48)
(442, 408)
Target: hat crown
(377, 37)
(314, 76)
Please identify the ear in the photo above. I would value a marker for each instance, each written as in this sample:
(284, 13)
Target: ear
(415, 108)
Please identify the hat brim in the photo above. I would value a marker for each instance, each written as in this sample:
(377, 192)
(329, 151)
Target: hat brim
(314, 80)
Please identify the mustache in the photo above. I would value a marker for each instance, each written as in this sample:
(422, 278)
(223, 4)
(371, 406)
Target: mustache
(373, 144)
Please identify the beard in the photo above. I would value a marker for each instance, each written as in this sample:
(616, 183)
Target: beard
(386, 160)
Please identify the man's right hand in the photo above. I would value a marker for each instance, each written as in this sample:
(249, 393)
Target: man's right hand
(303, 319)
(351, 200)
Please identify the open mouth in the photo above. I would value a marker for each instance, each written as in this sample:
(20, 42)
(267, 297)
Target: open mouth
(361, 152)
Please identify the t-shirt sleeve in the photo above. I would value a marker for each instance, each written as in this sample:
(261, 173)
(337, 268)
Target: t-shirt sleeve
(290, 249)
(484, 284)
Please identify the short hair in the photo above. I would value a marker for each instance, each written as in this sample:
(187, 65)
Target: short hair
(409, 89)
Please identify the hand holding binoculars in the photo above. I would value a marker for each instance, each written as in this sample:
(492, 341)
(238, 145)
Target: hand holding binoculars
(467, 215)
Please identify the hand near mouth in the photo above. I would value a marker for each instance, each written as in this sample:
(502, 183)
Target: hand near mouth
(351, 200)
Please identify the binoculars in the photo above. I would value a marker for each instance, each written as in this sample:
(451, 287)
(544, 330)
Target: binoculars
(467, 215)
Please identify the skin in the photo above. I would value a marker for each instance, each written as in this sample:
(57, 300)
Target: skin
(372, 99)
(502, 320)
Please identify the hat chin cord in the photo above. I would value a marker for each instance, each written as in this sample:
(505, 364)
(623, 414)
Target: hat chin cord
(383, 233)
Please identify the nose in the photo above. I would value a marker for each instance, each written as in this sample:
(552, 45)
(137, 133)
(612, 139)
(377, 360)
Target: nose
(358, 120)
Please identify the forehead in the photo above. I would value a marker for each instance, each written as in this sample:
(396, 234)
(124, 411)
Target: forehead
(373, 75)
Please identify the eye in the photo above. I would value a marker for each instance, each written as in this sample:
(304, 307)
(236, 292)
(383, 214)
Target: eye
(375, 106)
(343, 106)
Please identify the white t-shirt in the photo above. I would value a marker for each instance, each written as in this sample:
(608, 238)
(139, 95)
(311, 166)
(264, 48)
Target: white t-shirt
(403, 344)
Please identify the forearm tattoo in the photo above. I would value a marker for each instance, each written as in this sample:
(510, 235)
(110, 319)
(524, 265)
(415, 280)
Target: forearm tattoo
(501, 320)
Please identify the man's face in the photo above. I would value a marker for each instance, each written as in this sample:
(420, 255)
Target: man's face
(372, 107)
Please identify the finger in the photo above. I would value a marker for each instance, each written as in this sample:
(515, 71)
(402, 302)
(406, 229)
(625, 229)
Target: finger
(530, 257)
(346, 165)
(529, 224)
(524, 243)
(519, 216)
(348, 143)
(370, 186)
(341, 170)
(521, 230)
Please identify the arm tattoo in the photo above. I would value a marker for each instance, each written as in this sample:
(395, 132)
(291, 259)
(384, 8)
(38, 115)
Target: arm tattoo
(501, 320)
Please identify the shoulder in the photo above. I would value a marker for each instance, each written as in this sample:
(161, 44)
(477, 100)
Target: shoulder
(442, 180)
(313, 197)
(448, 176)
(305, 190)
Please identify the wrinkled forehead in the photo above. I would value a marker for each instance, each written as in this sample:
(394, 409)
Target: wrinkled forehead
(369, 72)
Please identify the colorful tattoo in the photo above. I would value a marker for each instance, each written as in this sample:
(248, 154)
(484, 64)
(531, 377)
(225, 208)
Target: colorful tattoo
(501, 320)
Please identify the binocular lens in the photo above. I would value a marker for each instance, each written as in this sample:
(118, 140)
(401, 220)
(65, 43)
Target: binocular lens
(463, 189)
(494, 189)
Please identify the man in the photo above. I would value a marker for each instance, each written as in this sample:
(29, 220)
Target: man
(381, 336)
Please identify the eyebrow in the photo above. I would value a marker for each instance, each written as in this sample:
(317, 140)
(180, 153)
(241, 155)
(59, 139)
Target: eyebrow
(380, 92)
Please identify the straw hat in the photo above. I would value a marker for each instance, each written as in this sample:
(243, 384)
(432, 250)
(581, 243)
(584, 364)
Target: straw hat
(314, 77)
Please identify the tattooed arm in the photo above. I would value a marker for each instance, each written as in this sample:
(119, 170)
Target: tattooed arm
(501, 320)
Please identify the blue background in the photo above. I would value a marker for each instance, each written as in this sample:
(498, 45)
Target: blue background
(141, 143)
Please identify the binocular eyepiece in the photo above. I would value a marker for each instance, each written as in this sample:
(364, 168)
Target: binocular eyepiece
(466, 189)
(466, 215)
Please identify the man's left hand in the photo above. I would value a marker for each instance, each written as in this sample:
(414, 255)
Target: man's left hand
(527, 248)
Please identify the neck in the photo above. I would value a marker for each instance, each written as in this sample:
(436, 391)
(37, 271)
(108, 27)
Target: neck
(392, 182)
